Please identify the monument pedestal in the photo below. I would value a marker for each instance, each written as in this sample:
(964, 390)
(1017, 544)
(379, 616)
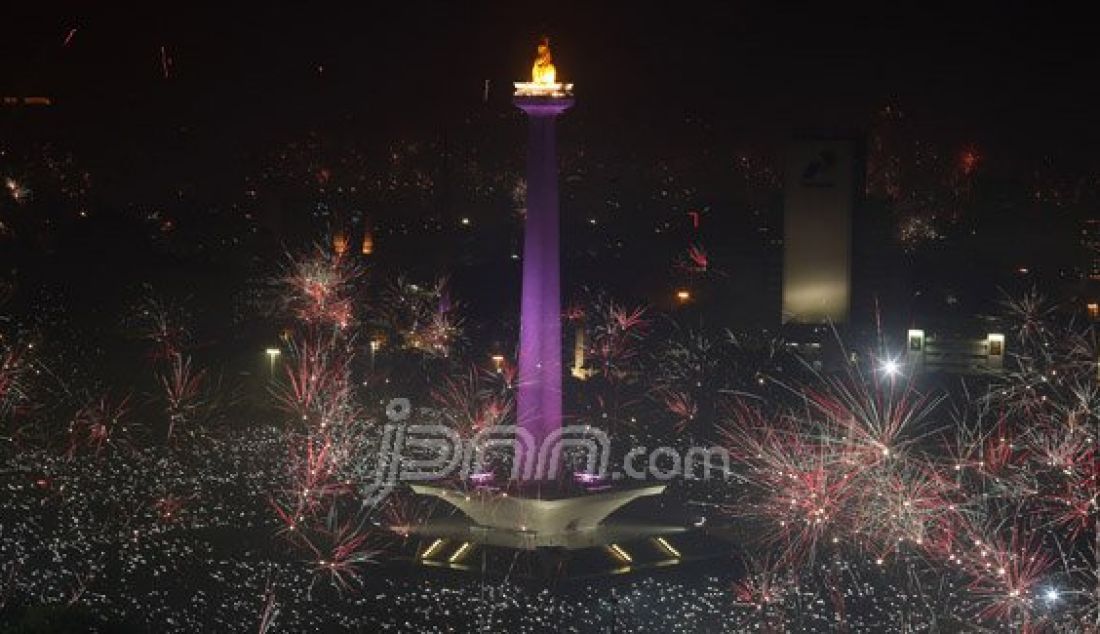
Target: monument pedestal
(546, 533)
(534, 517)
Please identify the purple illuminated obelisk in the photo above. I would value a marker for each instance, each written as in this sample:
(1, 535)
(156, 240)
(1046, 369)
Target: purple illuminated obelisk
(538, 514)
(539, 401)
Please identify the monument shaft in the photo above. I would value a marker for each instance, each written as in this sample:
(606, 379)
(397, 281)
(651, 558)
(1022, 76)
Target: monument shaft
(539, 402)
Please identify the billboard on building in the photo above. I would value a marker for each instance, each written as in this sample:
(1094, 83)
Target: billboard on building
(820, 183)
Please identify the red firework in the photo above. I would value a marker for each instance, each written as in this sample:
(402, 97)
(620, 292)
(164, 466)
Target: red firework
(317, 389)
(162, 326)
(1005, 573)
(469, 405)
(320, 288)
(797, 485)
(872, 419)
(98, 426)
(617, 333)
(401, 514)
(182, 388)
(764, 584)
(696, 261)
(13, 385)
(969, 159)
(169, 508)
(682, 406)
(314, 468)
(341, 550)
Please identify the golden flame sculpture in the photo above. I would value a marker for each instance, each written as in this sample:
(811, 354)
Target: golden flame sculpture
(543, 72)
(544, 81)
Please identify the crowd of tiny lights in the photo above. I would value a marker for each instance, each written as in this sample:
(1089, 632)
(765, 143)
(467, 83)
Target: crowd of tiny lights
(90, 532)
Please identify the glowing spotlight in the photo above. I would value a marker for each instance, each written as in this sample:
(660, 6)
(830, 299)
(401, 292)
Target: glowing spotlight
(668, 548)
(1051, 595)
(890, 368)
(432, 549)
(458, 554)
(620, 554)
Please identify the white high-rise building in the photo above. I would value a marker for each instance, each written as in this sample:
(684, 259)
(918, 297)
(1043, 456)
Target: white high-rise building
(820, 190)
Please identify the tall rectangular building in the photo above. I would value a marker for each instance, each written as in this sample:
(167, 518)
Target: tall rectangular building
(820, 188)
(1090, 245)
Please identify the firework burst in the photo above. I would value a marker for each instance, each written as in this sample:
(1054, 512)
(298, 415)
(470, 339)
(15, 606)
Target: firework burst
(473, 402)
(320, 288)
(99, 425)
(182, 388)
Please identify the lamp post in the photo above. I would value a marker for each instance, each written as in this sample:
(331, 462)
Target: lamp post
(272, 355)
(374, 345)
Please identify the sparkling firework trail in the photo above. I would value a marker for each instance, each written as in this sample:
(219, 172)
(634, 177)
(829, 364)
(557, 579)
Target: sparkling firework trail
(98, 426)
(182, 389)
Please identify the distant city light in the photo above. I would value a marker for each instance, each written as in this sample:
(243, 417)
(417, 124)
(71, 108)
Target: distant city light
(683, 296)
(340, 243)
(481, 477)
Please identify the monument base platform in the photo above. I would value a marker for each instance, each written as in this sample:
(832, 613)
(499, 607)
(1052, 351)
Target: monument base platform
(535, 516)
(547, 532)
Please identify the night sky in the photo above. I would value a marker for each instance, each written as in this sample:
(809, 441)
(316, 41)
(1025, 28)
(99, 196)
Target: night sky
(183, 105)
(1015, 77)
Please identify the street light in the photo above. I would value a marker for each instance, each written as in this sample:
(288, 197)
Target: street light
(272, 355)
(375, 344)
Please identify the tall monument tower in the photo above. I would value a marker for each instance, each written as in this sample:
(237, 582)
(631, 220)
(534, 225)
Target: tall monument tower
(537, 513)
(540, 369)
